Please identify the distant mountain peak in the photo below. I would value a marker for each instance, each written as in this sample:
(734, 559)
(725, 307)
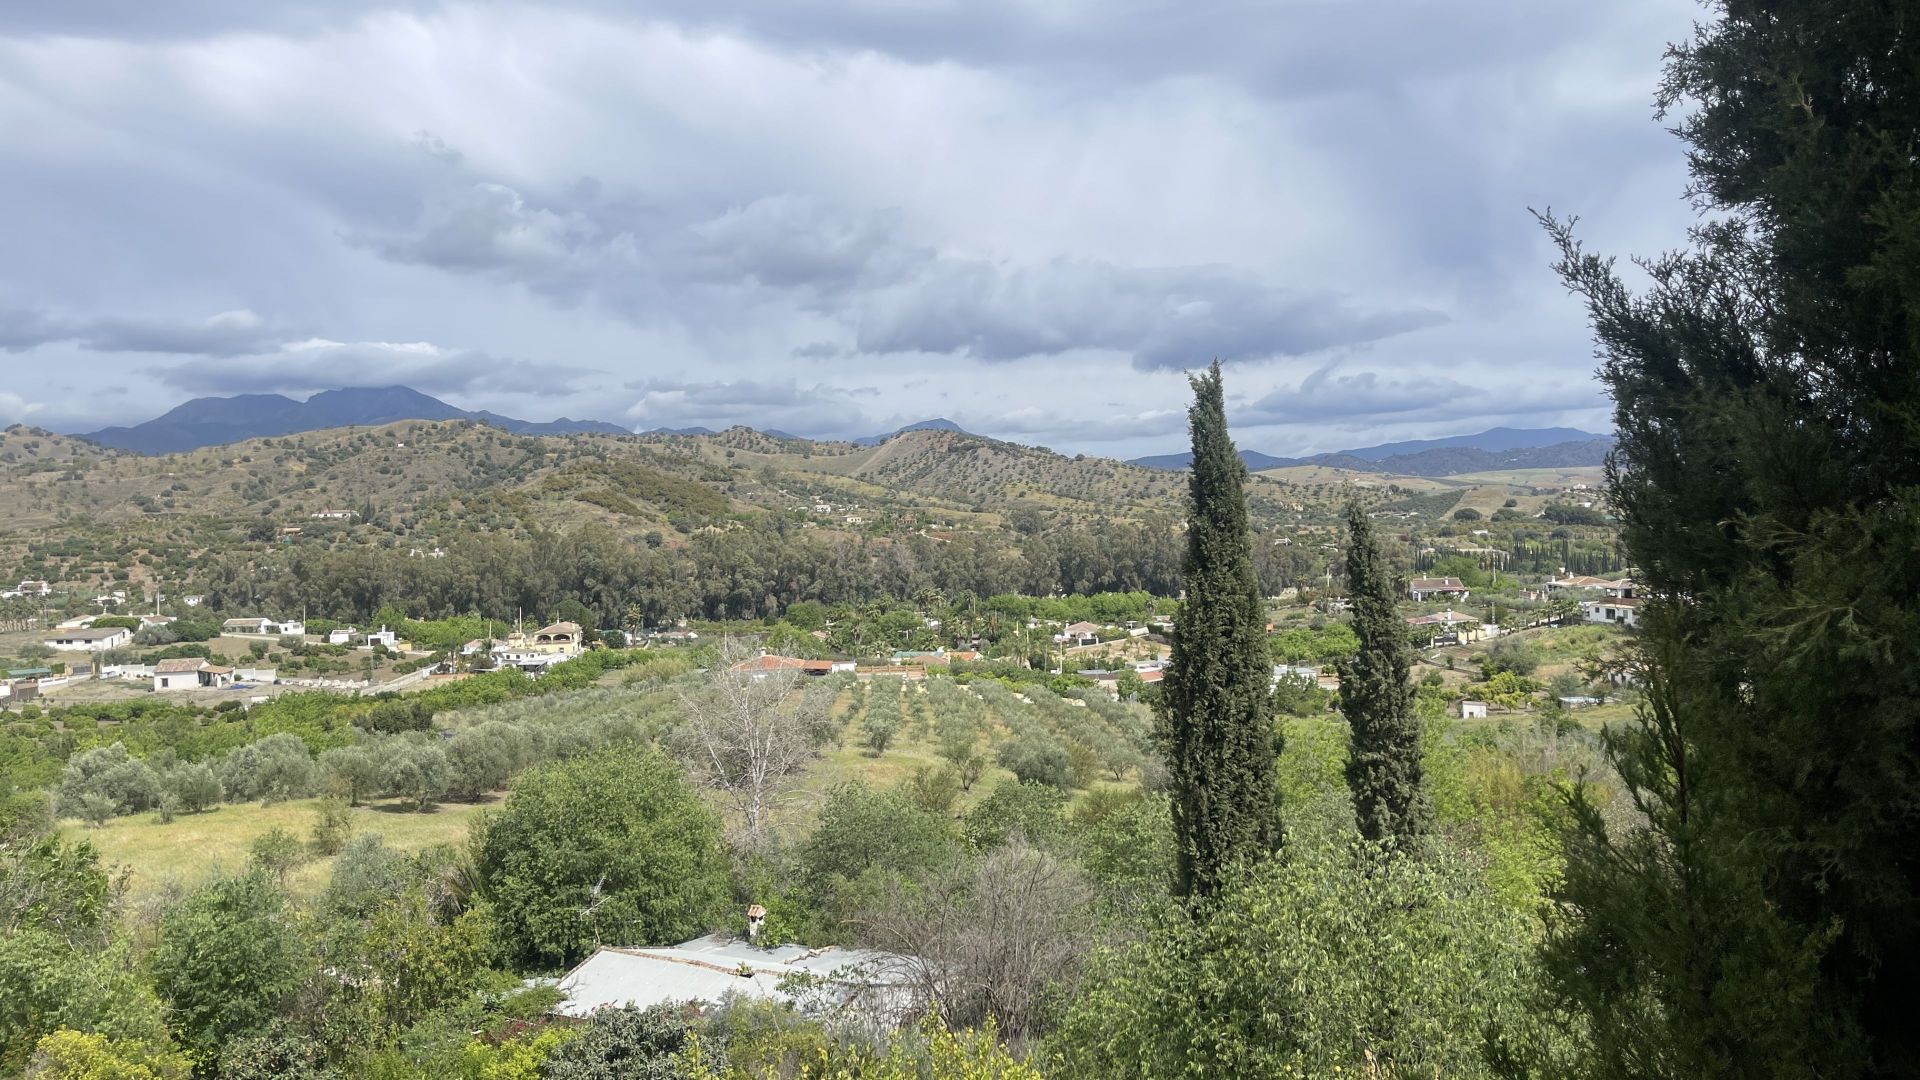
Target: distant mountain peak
(938, 423)
(215, 421)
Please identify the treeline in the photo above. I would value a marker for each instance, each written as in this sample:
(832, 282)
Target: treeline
(751, 571)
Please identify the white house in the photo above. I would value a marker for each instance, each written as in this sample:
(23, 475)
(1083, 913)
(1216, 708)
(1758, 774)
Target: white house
(382, 636)
(1470, 710)
(251, 627)
(194, 600)
(342, 635)
(1619, 610)
(190, 673)
(88, 639)
(335, 515)
(1080, 633)
(27, 588)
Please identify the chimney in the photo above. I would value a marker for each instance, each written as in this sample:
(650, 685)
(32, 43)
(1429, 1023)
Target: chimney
(756, 920)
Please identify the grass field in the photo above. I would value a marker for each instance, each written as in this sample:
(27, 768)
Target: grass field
(193, 846)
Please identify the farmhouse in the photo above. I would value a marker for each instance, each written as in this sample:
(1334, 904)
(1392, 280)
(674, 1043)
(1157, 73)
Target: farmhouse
(1426, 588)
(262, 627)
(190, 673)
(1449, 623)
(88, 639)
(1080, 633)
(27, 588)
(342, 635)
(766, 664)
(1619, 610)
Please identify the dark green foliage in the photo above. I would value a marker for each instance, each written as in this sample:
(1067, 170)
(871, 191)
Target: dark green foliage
(614, 848)
(1332, 959)
(628, 1044)
(867, 841)
(1768, 482)
(280, 1054)
(1032, 811)
(227, 958)
(1216, 715)
(1383, 765)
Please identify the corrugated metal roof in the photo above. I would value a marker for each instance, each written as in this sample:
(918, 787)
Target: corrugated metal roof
(710, 968)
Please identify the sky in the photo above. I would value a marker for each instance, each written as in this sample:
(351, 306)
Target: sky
(830, 218)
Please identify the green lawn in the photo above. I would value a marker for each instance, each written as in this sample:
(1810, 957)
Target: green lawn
(187, 850)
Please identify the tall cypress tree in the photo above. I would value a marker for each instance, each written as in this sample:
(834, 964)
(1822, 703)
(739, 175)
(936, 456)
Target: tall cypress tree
(1216, 718)
(1765, 921)
(1383, 765)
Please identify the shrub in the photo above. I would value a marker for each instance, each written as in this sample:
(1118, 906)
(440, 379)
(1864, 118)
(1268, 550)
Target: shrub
(614, 846)
(629, 1043)
(1029, 810)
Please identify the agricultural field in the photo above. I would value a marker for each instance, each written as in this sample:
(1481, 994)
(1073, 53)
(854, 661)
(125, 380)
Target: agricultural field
(194, 847)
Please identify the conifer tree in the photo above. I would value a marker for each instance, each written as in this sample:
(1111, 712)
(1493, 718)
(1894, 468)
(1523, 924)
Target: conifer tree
(1215, 720)
(1762, 918)
(1383, 765)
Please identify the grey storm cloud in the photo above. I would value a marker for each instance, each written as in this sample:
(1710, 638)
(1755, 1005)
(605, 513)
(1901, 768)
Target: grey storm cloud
(891, 296)
(1325, 395)
(229, 333)
(825, 215)
(812, 410)
(317, 364)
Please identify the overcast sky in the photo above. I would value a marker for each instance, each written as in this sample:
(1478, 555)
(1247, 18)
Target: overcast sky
(829, 218)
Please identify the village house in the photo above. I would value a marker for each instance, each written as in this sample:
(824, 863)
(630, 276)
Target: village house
(190, 673)
(262, 627)
(155, 620)
(89, 639)
(766, 664)
(342, 635)
(194, 600)
(549, 645)
(1619, 610)
(382, 637)
(1470, 710)
(335, 515)
(1080, 633)
(27, 588)
(1427, 588)
(1449, 623)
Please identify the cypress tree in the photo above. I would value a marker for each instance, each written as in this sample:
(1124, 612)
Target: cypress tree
(1764, 917)
(1215, 720)
(1383, 764)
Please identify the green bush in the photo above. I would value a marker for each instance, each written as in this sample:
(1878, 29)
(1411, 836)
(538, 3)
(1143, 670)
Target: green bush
(614, 847)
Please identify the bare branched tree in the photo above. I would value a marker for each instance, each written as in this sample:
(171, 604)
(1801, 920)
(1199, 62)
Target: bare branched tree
(986, 938)
(747, 730)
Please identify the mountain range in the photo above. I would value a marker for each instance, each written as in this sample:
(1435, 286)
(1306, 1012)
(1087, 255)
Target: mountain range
(214, 421)
(1485, 451)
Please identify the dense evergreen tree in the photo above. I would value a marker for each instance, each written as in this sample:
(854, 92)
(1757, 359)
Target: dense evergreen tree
(1768, 405)
(1216, 712)
(1383, 766)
